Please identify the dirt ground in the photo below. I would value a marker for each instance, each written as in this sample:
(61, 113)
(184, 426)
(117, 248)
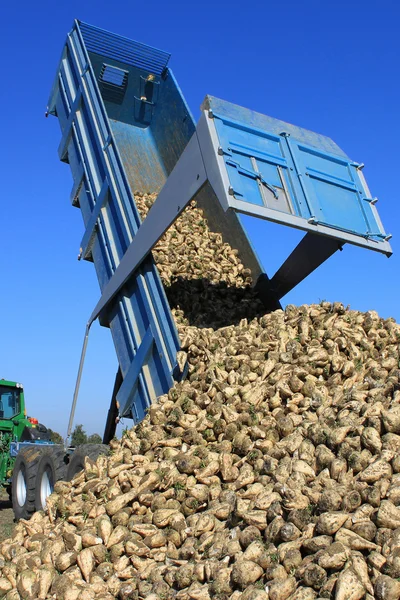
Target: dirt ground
(6, 516)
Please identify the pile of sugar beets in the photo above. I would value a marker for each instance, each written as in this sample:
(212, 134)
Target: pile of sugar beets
(271, 472)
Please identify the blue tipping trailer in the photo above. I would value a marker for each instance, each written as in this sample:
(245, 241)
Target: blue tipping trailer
(126, 127)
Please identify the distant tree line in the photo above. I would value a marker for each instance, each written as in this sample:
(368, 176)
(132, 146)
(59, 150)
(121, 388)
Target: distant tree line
(55, 437)
(78, 437)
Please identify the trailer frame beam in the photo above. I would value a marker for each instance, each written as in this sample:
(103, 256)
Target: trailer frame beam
(309, 254)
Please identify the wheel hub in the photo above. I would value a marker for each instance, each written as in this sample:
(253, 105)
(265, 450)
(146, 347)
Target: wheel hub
(46, 486)
(21, 488)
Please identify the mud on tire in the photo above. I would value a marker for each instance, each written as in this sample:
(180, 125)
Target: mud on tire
(77, 460)
(51, 468)
(24, 482)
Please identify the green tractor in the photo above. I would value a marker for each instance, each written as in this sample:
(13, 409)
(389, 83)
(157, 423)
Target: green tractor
(30, 463)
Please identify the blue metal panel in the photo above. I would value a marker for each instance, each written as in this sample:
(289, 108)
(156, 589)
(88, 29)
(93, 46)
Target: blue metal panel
(335, 191)
(16, 447)
(123, 49)
(258, 121)
(127, 390)
(282, 173)
(103, 193)
(259, 166)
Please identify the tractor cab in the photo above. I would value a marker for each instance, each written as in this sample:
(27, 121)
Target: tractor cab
(14, 424)
(11, 423)
(11, 403)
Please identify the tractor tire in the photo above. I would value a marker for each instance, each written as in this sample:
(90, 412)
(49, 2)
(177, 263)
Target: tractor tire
(77, 460)
(23, 484)
(51, 468)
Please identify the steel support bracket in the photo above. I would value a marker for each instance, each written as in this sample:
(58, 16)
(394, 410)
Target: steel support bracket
(63, 147)
(309, 254)
(90, 233)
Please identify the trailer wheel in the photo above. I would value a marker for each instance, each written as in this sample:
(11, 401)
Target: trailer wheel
(77, 461)
(51, 468)
(24, 482)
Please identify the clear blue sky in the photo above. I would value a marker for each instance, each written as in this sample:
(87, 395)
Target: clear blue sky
(332, 67)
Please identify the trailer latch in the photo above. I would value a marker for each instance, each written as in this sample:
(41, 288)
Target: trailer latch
(254, 174)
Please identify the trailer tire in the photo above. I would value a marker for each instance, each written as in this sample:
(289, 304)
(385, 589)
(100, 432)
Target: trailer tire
(77, 461)
(24, 482)
(51, 468)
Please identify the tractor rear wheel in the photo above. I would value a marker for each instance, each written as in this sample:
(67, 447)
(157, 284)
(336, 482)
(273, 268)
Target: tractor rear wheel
(77, 460)
(51, 468)
(24, 482)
